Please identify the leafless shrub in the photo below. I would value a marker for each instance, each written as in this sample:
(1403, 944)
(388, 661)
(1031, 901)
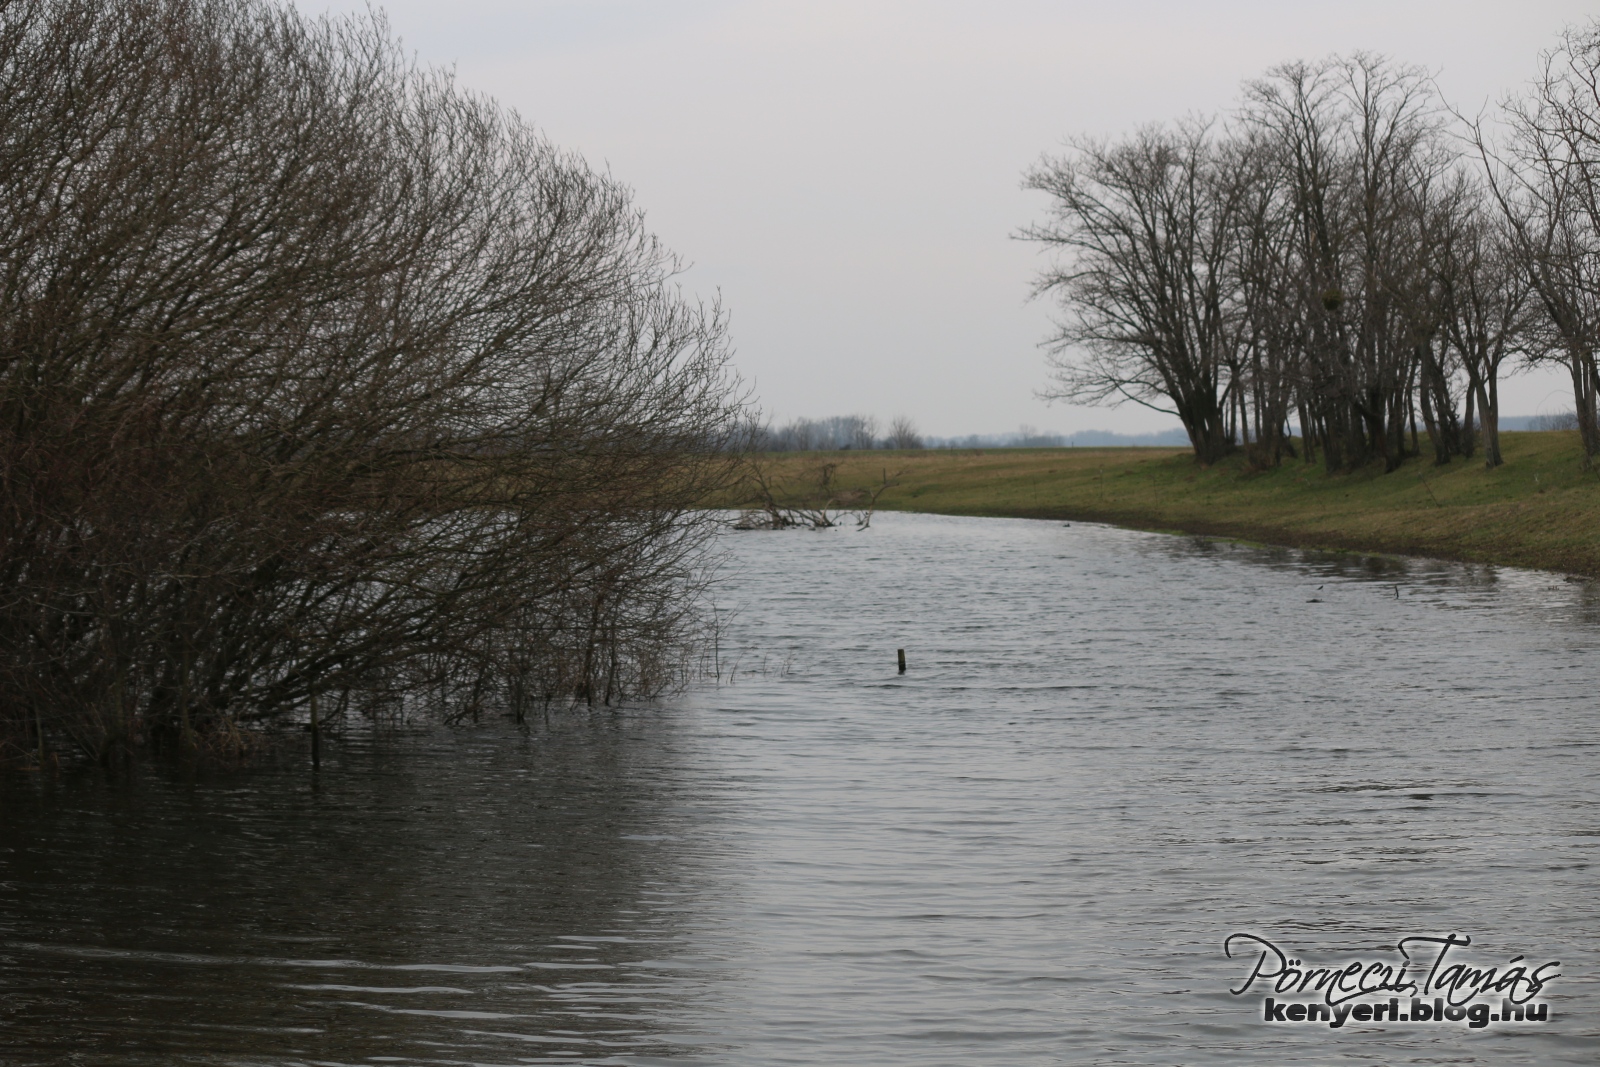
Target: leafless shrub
(323, 380)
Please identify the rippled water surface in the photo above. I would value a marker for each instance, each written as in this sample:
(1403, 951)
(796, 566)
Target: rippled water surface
(1112, 750)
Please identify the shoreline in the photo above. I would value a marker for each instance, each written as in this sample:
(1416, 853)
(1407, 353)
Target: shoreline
(1265, 536)
(1540, 510)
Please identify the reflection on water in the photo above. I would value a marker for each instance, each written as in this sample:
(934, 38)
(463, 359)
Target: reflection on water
(435, 898)
(1112, 750)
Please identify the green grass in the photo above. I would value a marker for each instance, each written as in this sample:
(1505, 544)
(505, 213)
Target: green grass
(1541, 509)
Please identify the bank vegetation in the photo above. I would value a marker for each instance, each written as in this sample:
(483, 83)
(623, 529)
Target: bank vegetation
(328, 390)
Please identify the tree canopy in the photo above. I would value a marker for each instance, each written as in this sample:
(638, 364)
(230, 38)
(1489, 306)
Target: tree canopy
(322, 378)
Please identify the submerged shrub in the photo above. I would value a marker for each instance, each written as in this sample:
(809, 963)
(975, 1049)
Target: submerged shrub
(323, 380)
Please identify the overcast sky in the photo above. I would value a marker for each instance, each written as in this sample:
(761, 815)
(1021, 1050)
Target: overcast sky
(846, 174)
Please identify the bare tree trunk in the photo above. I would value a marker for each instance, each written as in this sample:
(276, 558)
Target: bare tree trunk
(1489, 402)
(1582, 367)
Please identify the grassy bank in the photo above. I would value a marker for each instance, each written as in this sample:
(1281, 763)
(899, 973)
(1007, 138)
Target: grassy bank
(1539, 510)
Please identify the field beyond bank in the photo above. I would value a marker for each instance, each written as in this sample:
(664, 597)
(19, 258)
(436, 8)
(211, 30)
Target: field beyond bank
(1541, 509)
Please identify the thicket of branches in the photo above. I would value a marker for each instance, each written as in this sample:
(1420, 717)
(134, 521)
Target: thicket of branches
(1342, 256)
(323, 381)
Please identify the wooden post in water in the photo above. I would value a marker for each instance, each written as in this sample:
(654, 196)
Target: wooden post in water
(902, 661)
(316, 735)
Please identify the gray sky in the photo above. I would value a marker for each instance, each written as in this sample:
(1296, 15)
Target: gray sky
(846, 173)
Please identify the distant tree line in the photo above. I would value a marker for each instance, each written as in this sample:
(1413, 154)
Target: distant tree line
(1028, 437)
(856, 432)
(1342, 256)
(835, 434)
(326, 388)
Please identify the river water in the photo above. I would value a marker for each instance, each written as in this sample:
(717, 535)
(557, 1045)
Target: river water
(1112, 750)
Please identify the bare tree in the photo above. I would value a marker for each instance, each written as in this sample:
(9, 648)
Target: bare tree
(1270, 366)
(327, 389)
(1546, 179)
(1486, 303)
(1358, 146)
(862, 431)
(903, 434)
(1303, 262)
(1143, 228)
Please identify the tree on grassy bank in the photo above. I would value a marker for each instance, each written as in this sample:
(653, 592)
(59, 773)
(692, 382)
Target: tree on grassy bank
(1331, 260)
(325, 388)
(1146, 225)
(1545, 177)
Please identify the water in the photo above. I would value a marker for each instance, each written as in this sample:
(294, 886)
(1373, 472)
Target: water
(1111, 751)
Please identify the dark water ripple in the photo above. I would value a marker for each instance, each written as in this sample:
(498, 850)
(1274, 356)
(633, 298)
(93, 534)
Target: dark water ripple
(1112, 750)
